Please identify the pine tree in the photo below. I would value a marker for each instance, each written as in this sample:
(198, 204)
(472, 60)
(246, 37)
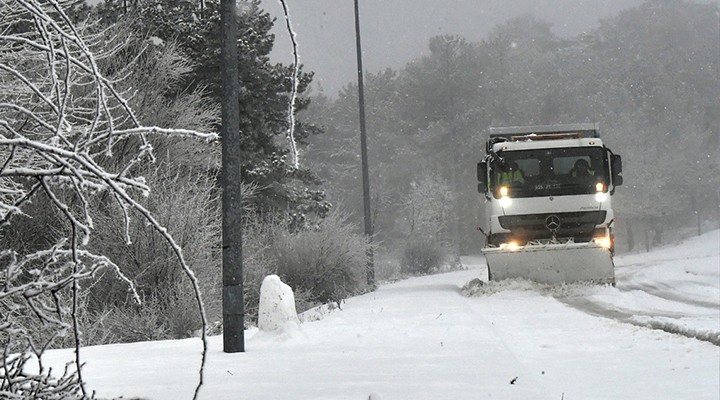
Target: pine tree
(265, 89)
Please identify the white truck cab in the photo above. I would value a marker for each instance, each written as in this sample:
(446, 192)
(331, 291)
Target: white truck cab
(548, 188)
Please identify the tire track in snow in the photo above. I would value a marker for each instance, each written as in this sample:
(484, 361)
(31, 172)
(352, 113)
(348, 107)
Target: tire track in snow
(634, 318)
(662, 291)
(589, 307)
(627, 273)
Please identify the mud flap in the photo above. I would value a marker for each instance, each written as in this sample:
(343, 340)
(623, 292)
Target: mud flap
(552, 263)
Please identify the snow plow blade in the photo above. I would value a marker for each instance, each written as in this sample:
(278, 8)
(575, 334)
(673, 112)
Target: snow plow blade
(552, 263)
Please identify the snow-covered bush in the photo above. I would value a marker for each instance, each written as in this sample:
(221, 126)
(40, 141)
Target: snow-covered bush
(159, 316)
(328, 262)
(133, 323)
(188, 206)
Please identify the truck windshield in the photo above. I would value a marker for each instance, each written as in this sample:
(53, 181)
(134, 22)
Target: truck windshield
(550, 172)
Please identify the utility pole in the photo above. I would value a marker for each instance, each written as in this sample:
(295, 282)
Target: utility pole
(363, 148)
(233, 302)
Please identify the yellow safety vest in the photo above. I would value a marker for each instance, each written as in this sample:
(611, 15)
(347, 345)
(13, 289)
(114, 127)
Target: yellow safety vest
(511, 176)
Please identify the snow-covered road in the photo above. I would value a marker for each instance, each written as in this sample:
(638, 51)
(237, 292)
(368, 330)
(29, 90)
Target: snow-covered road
(421, 338)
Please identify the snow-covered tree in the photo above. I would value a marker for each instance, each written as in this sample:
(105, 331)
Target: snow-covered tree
(64, 119)
(427, 208)
(264, 94)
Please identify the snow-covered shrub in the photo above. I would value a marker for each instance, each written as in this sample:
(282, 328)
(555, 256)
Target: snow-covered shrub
(187, 204)
(134, 323)
(185, 198)
(329, 262)
(422, 256)
(160, 316)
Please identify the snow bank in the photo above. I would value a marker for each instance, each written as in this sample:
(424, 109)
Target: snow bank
(479, 288)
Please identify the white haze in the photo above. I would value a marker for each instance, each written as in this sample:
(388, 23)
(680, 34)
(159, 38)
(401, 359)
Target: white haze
(395, 32)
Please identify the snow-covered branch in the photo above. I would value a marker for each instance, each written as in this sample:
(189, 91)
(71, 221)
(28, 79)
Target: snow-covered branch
(294, 90)
(62, 113)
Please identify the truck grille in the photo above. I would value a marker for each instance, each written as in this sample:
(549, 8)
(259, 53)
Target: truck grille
(564, 224)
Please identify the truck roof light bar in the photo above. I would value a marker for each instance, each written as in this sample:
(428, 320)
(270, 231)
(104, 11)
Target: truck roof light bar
(588, 129)
(541, 132)
(549, 136)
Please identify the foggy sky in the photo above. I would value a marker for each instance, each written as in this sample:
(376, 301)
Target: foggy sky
(396, 31)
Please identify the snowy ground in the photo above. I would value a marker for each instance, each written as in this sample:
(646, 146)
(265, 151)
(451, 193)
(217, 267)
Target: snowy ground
(653, 336)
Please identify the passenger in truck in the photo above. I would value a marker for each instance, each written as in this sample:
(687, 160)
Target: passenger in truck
(581, 172)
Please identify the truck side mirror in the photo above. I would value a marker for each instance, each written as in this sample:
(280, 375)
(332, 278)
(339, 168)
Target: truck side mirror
(482, 176)
(616, 166)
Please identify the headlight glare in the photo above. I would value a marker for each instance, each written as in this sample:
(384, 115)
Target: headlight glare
(603, 241)
(505, 201)
(512, 246)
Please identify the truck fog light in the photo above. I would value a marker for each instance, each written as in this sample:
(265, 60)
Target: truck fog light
(600, 196)
(505, 201)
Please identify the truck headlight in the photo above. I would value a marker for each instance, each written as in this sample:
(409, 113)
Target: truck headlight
(601, 195)
(512, 246)
(603, 241)
(504, 193)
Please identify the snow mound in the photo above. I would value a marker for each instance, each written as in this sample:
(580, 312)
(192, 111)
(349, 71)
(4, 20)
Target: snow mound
(277, 306)
(708, 333)
(479, 288)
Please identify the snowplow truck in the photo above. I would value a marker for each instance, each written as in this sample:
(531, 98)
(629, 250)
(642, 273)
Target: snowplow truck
(548, 209)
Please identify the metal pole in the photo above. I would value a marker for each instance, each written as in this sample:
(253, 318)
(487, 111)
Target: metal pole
(363, 147)
(233, 303)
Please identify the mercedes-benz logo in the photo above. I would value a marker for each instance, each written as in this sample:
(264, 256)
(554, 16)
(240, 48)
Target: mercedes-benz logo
(552, 222)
